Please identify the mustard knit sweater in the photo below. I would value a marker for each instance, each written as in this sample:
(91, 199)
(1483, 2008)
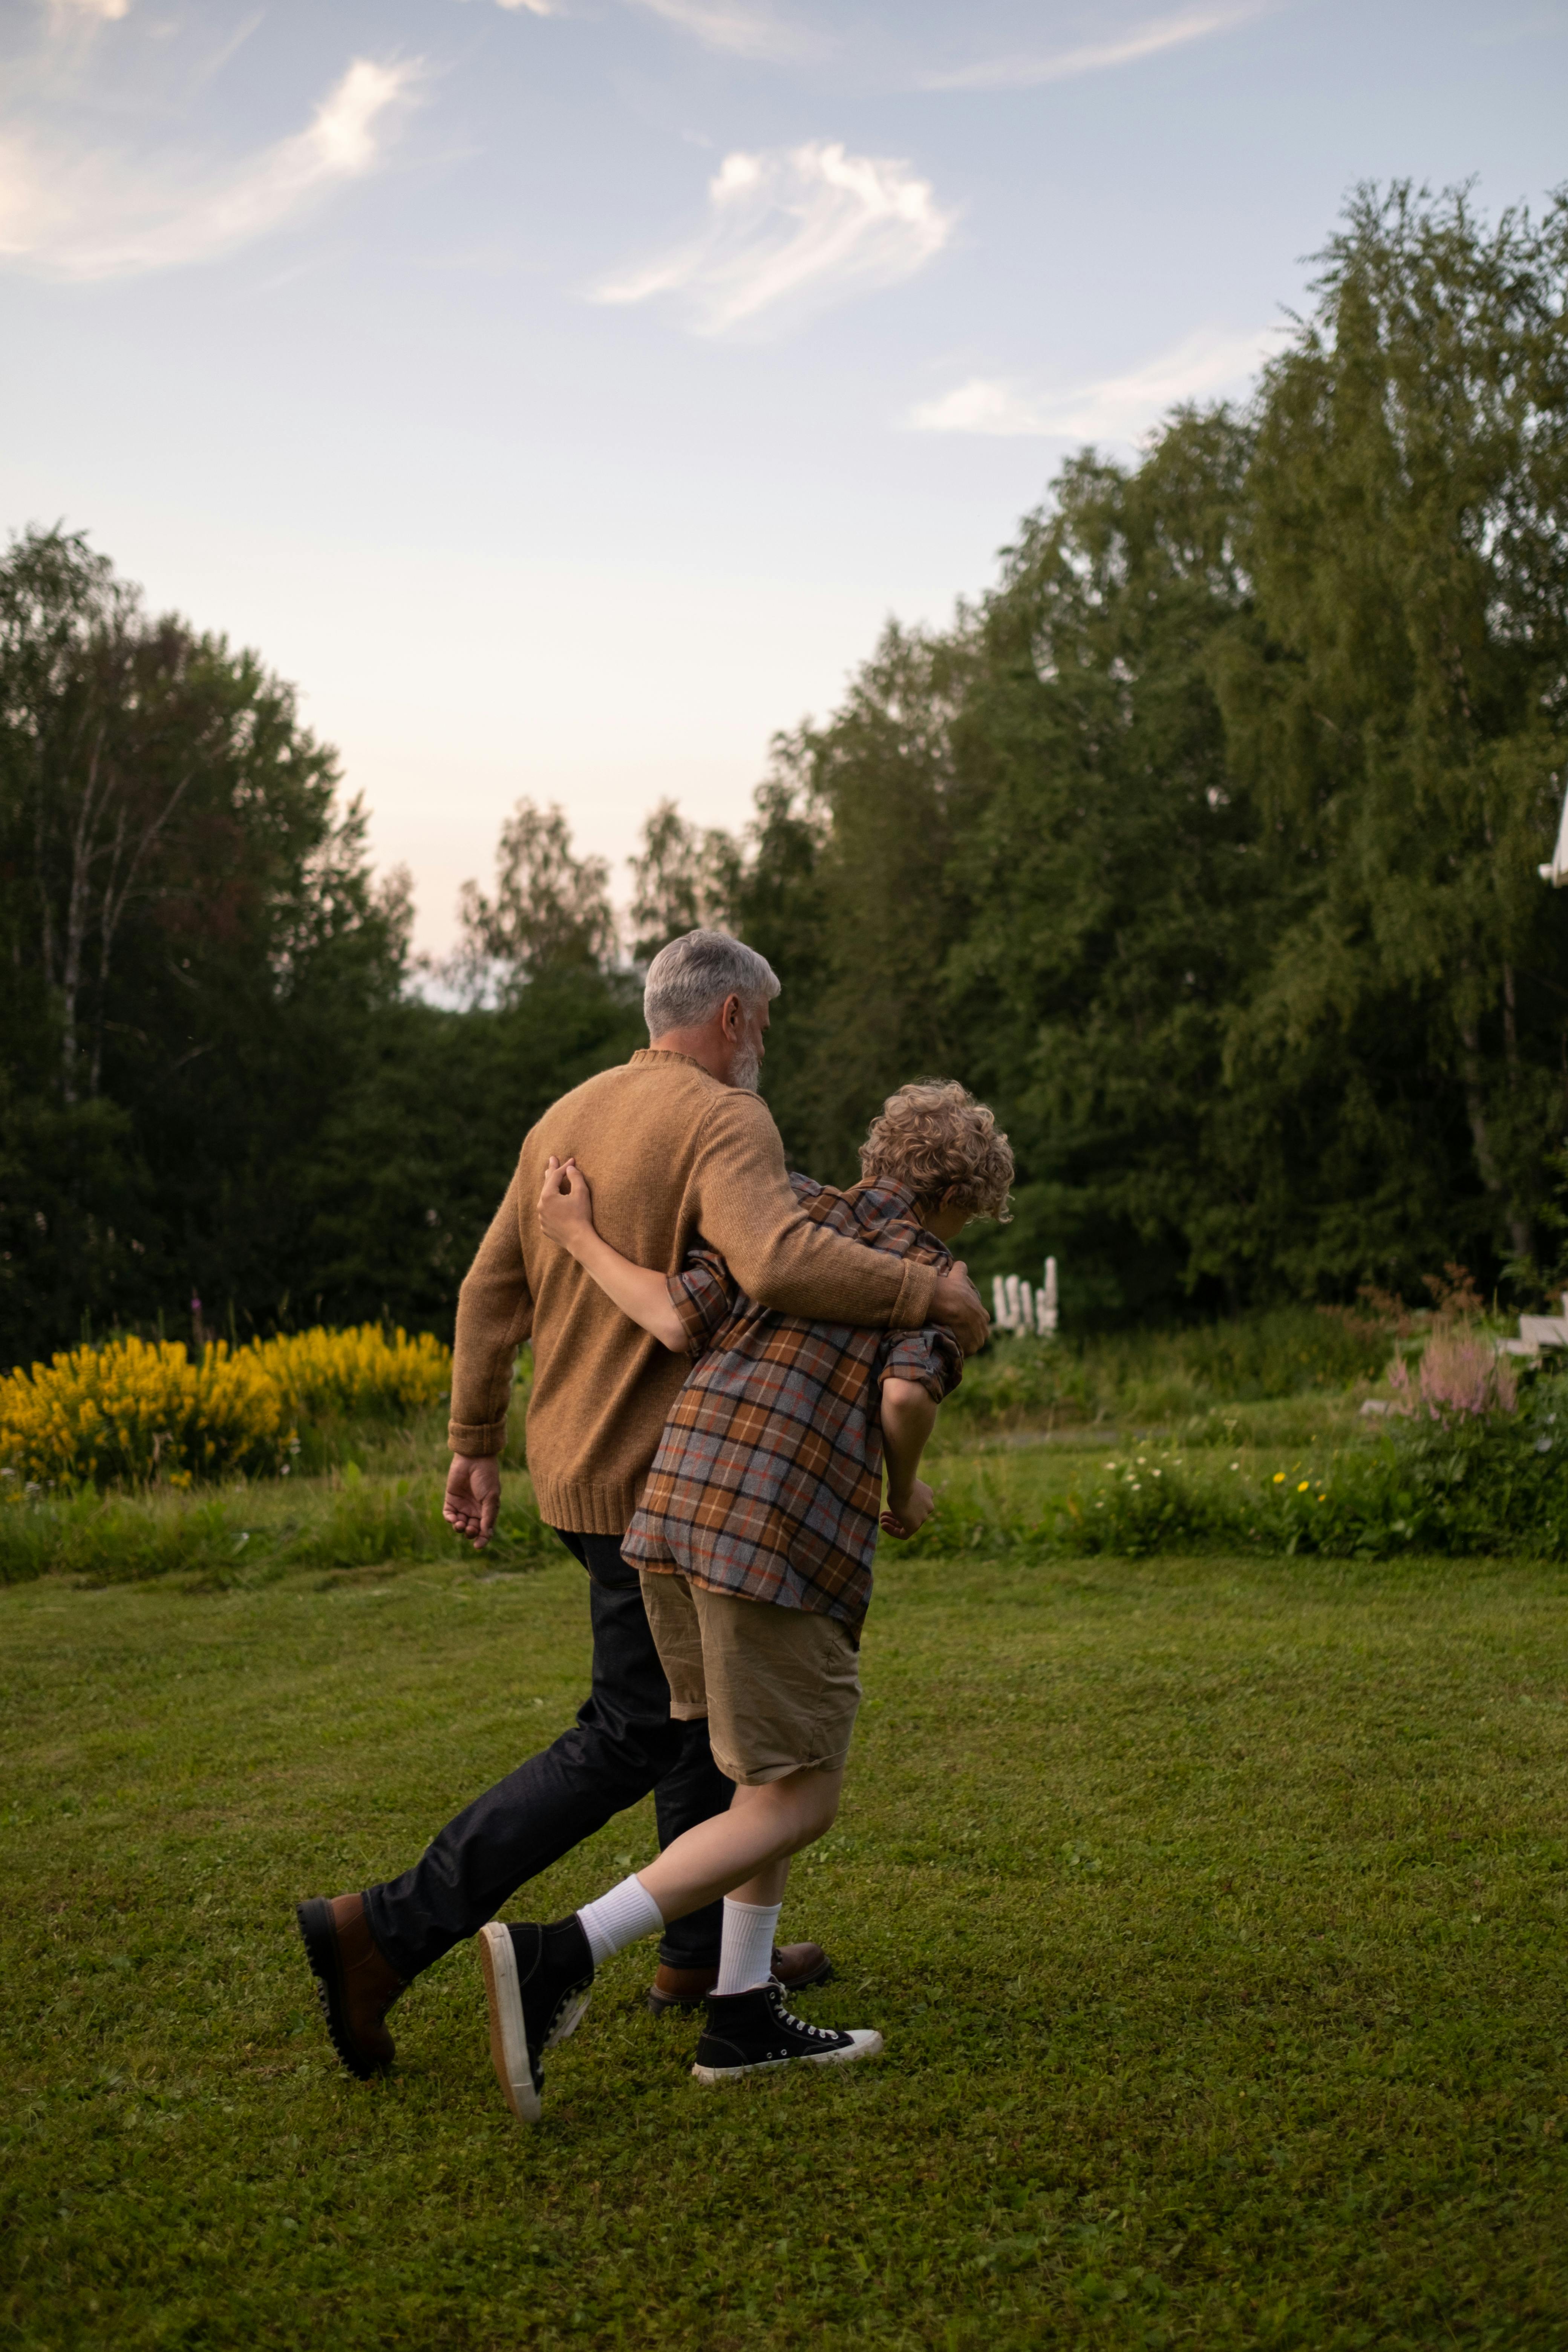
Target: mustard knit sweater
(671, 1152)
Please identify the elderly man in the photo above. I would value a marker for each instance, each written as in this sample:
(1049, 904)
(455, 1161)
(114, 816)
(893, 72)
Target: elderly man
(677, 1142)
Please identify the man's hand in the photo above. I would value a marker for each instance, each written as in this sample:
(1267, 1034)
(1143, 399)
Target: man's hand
(566, 1204)
(910, 1511)
(473, 1497)
(956, 1302)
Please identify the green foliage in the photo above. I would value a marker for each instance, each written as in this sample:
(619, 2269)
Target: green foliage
(1396, 701)
(212, 1082)
(1020, 1382)
(409, 1165)
(681, 880)
(199, 950)
(1205, 846)
(1239, 1480)
(550, 913)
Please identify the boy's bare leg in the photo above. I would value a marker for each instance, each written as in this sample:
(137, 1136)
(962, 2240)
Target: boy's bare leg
(801, 1810)
(745, 1852)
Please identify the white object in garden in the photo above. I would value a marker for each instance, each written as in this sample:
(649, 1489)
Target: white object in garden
(1046, 1304)
(1019, 1307)
(1537, 1331)
(1014, 1302)
(1557, 872)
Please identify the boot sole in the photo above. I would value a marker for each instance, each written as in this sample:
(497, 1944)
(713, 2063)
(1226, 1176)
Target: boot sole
(715, 2077)
(509, 2028)
(317, 1933)
(660, 2004)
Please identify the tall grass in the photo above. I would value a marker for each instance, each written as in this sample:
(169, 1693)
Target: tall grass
(243, 1533)
(1443, 1480)
(1158, 1378)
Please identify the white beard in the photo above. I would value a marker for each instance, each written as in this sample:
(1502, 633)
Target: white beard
(746, 1070)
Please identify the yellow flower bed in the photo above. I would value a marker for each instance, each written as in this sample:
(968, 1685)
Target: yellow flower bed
(357, 1371)
(138, 1410)
(135, 1410)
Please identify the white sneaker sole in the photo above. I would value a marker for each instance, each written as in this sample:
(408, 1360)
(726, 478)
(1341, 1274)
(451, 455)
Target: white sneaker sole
(509, 2033)
(864, 2042)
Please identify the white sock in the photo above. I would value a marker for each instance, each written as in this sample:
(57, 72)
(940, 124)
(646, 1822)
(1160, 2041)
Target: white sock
(746, 1954)
(623, 1916)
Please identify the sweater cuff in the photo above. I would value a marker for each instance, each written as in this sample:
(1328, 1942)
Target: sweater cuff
(476, 1436)
(912, 1306)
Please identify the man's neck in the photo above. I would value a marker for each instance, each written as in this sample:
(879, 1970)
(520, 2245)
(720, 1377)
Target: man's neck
(708, 1045)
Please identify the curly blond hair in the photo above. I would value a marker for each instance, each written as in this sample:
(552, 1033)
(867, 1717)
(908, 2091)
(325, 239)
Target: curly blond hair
(935, 1138)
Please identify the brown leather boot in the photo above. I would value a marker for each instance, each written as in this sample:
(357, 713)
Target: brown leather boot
(354, 1985)
(795, 1965)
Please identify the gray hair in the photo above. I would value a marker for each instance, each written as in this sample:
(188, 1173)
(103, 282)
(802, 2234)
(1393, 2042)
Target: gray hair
(688, 980)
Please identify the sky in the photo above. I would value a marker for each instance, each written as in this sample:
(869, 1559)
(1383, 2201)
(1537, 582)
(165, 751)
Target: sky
(563, 393)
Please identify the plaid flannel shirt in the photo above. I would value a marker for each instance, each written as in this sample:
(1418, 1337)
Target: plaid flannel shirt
(768, 1479)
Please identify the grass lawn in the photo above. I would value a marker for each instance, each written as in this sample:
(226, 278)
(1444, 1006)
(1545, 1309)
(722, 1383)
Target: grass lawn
(1214, 1915)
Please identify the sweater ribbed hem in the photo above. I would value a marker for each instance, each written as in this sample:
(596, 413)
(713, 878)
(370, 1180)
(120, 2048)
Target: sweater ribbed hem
(587, 1511)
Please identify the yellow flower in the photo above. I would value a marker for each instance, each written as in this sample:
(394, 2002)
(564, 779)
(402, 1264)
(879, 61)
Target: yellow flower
(1280, 1477)
(137, 1411)
(1303, 1486)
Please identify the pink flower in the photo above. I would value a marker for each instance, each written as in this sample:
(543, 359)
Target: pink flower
(1462, 1372)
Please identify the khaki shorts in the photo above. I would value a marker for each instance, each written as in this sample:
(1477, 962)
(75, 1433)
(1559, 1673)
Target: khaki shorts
(780, 1687)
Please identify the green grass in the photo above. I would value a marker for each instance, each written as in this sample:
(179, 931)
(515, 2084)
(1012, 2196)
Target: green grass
(1213, 1912)
(380, 1499)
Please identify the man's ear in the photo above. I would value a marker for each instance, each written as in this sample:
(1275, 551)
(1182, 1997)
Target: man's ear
(731, 1018)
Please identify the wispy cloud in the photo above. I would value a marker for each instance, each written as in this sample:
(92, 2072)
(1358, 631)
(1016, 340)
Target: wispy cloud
(76, 212)
(739, 30)
(108, 12)
(1146, 40)
(1203, 365)
(791, 229)
(534, 7)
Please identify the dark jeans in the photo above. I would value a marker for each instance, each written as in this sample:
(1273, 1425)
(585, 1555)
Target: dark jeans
(623, 1744)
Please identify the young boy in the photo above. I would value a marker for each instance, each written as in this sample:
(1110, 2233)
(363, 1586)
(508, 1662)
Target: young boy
(755, 1537)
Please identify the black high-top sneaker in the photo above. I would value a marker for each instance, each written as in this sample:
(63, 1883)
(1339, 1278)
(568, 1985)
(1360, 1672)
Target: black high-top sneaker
(538, 1983)
(747, 2033)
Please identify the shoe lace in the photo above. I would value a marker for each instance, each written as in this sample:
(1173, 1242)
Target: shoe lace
(786, 2017)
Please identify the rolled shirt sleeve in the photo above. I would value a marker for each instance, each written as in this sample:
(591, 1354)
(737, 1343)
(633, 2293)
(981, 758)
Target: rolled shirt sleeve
(702, 1294)
(930, 1358)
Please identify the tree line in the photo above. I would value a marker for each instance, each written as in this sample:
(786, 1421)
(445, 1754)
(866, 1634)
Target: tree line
(1204, 845)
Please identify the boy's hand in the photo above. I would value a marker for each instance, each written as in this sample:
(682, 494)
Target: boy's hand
(566, 1204)
(910, 1511)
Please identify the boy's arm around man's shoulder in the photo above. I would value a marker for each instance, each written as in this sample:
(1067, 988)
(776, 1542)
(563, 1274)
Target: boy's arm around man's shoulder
(781, 1257)
(495, 1314)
